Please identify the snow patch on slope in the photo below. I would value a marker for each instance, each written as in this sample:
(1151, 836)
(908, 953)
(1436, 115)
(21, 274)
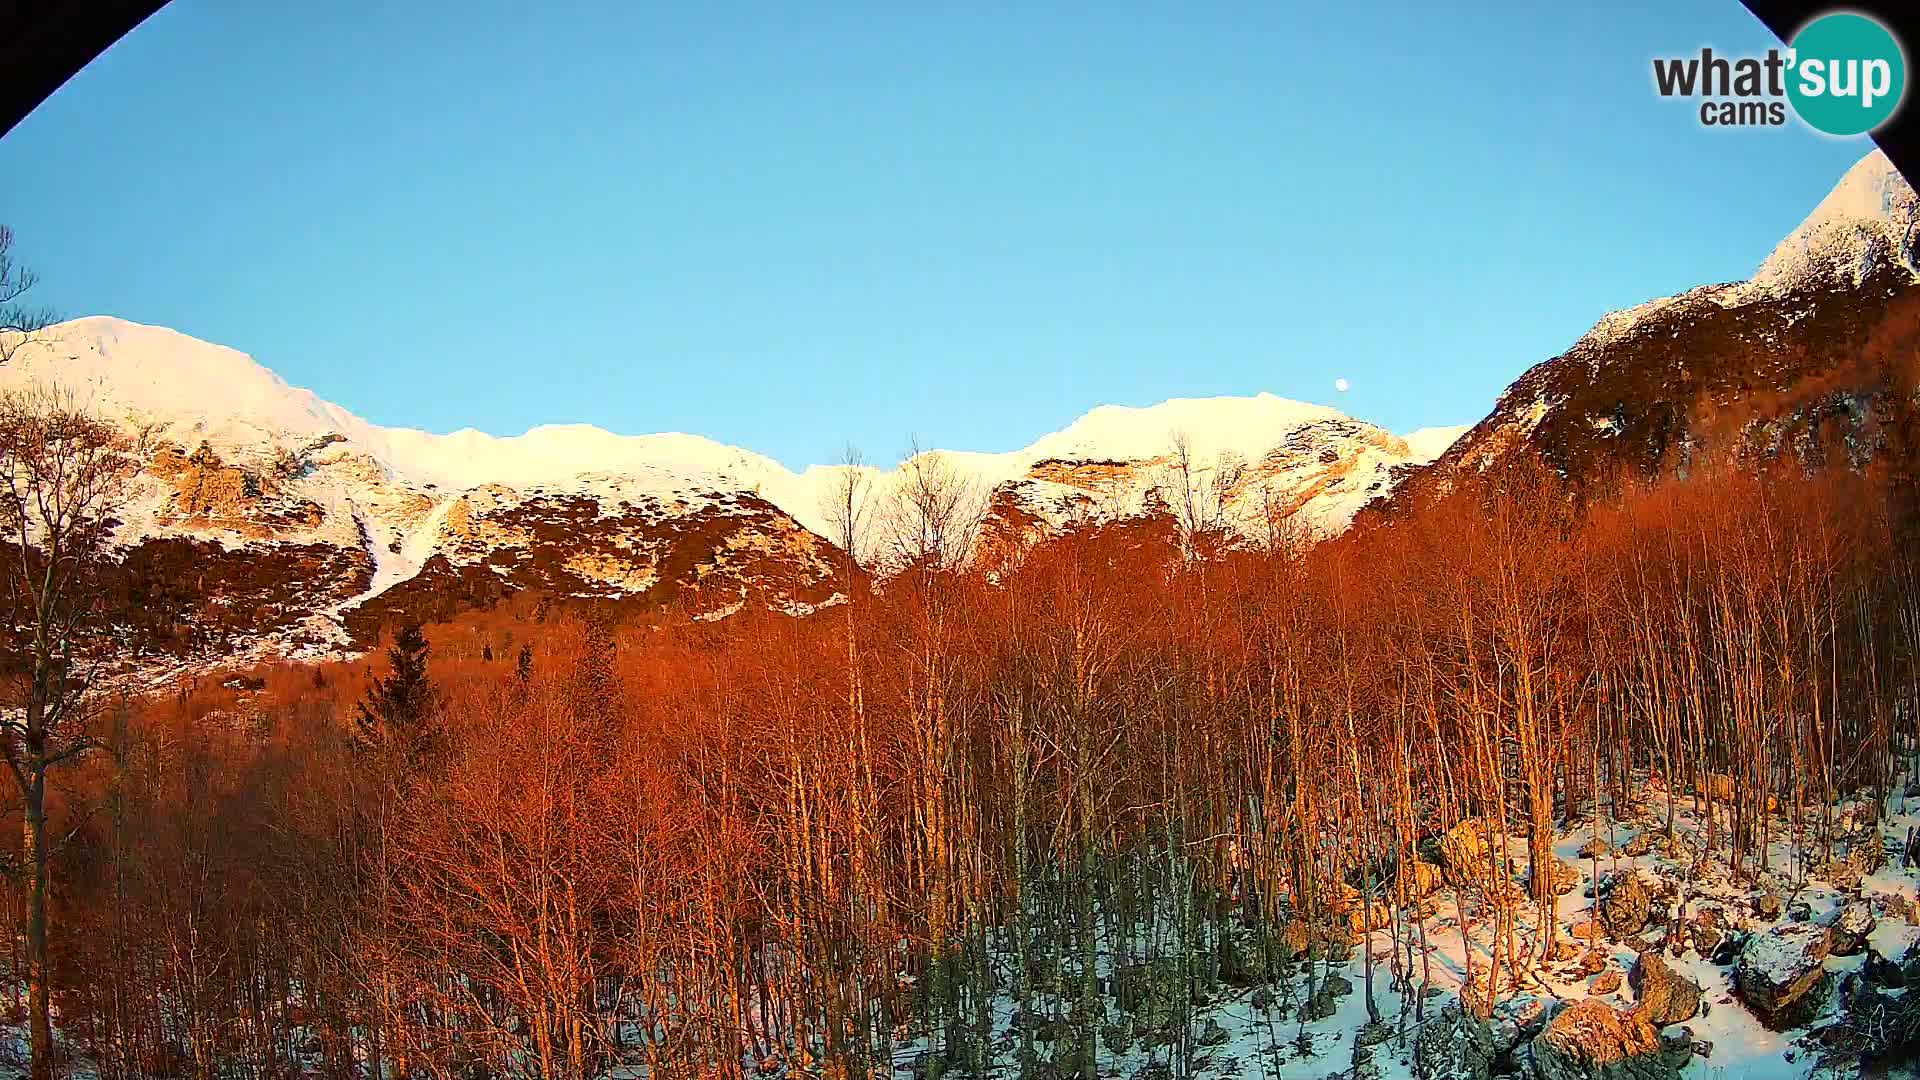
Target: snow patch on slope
(1429, 443)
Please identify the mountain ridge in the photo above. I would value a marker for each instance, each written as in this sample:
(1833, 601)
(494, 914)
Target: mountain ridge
(257, 477)
(1808, 356)
(250, 482)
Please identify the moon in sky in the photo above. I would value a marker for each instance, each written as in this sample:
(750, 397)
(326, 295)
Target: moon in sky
(1341, 385)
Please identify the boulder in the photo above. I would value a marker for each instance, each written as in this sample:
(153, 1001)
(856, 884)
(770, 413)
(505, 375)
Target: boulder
(1467, 853)
(1850, 924)
(1662, 995)
(1624, 904)
(1326, 1000)
(1359, 924)
(1776, 969)
(1892, 906)
(1768, 906)
(1860, 815)
(1592, 1040)
(1456, 1045)
(1426, 878)
(1705, 930)
(1867, 851)
(1519, 1018)
(1844, 875)
(1605, 983)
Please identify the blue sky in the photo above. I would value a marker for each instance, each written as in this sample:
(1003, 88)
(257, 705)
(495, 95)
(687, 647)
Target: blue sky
(791, 226)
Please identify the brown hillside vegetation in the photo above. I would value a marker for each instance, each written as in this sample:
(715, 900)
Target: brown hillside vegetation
(799, 841)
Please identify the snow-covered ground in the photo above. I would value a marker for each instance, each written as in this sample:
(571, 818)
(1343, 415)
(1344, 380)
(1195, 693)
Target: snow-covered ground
(1255, 1035)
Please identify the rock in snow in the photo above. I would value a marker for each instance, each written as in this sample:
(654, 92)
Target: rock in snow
(1467, 854)
(1664, 995)
(1592, 1040)
(245, 463)
(1777, 968)
(1456, 1045)
(1851, 924)
(1624, 905)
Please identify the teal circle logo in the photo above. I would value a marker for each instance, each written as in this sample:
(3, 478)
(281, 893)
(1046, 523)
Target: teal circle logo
(1848, 74)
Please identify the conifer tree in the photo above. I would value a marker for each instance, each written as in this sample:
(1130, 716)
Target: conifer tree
(397, 713)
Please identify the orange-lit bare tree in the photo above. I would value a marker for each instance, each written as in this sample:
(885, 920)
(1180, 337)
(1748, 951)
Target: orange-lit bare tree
(64, 474)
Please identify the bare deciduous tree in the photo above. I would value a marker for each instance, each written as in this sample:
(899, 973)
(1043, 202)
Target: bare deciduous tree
(848, 506)
(20, 324)
(935, 514)
(63, 477)
(1197, 494)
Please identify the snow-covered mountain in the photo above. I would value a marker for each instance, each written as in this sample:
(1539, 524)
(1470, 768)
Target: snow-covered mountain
(268, 516)
(1807, 357)
(304, 525)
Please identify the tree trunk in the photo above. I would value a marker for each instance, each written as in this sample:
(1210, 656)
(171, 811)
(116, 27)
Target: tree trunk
(39, 1005)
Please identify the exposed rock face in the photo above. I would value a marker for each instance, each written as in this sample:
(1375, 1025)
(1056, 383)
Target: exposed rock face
(1456, 1045)
(206, 491)
(1777, 969)
(1705, 931)
(1427, 878)
(665, 522)
(1664, 996)
(1593, 1041)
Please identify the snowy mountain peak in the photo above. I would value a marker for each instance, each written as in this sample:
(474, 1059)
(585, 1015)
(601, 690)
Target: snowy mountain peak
(1869, 220)
(1208, 426)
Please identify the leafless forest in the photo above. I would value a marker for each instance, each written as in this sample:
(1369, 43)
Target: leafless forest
(1101, 779)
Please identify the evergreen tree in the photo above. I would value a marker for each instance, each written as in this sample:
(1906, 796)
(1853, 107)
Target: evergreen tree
(524, 667)
(397, 715)
(486, 652)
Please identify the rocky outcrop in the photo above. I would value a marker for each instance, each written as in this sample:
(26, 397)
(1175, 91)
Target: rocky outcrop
(1777, 369)
(1704, 932)
(1594, 1041)
(1519, 1018)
